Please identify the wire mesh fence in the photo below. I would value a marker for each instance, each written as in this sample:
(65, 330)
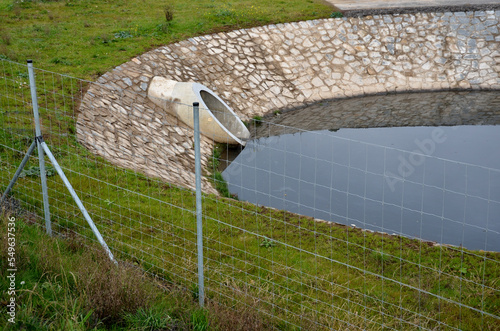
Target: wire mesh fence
(333, 233)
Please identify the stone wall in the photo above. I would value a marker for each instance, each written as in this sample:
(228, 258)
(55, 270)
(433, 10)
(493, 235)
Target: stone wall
(279, 67)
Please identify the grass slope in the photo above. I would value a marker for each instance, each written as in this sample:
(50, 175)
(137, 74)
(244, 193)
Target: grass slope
(65, 284)
(87, 38)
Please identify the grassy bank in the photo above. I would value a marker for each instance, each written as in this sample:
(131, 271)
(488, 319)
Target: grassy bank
(87, 38)
(294, 271)
(65, 284)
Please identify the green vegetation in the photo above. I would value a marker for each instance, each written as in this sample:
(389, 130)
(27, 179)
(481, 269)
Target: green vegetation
(290, 269)
(336, 14)
(215, 175)
(61, 284)
(35, 171)
(87, 38)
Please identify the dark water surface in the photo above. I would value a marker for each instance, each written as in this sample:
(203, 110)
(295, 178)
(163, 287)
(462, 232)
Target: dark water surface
(435, 183)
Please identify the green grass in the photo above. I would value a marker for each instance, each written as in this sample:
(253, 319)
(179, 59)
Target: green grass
(215, 175)
(87, 38)
(289, 268)
(64, 284)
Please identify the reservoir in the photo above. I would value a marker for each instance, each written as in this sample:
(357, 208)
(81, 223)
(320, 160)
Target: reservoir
(435, 183)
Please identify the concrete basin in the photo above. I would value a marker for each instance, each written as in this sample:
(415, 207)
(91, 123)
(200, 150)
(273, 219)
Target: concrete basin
(217, 119)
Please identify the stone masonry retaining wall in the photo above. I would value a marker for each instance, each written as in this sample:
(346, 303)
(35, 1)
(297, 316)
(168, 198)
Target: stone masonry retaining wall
(283, 66)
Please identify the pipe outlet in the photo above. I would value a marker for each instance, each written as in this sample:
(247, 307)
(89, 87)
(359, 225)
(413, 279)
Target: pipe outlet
(217, 119)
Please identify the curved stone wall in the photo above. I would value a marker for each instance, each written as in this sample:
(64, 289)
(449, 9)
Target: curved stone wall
(284, 66)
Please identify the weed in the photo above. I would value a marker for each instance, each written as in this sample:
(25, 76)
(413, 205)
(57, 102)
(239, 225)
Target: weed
(108, 202)
(163, 27)
(267, 243)
(123, 35)
(34, 171)
(257, 120)
(336, 14)
(168, 10)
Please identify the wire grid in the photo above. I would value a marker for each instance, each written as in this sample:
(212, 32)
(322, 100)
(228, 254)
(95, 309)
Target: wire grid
(381, 279)
(293, 269)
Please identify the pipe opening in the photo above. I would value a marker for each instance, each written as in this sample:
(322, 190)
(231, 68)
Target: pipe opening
(223, 114)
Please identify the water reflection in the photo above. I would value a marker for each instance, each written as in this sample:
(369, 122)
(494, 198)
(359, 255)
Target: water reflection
(436, 183)
(393, 110)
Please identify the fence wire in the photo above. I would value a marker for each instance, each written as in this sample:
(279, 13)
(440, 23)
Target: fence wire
(362, 247)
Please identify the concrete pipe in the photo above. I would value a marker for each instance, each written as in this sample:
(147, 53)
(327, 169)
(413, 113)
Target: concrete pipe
(217, 120)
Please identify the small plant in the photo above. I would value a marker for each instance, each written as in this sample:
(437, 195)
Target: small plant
(168, 9)
(267, 243)
(257, 120)
(34, 171)
(277, 112)
(108, 202)
(123, 35)
(163, 27)
(336, 14)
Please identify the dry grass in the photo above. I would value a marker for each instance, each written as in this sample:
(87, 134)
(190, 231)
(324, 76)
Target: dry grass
(111, 290)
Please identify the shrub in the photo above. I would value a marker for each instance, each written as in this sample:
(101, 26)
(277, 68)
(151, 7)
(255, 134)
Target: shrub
(168, 9)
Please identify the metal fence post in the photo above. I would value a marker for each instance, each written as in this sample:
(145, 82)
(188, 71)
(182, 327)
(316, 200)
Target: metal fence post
(41, 155)
(199, 216)
(77, 200)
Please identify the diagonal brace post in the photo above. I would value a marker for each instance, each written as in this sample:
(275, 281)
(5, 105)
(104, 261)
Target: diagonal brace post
(18, 171)
(76, 198)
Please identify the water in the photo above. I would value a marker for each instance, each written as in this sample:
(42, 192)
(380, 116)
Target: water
(439, 184)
